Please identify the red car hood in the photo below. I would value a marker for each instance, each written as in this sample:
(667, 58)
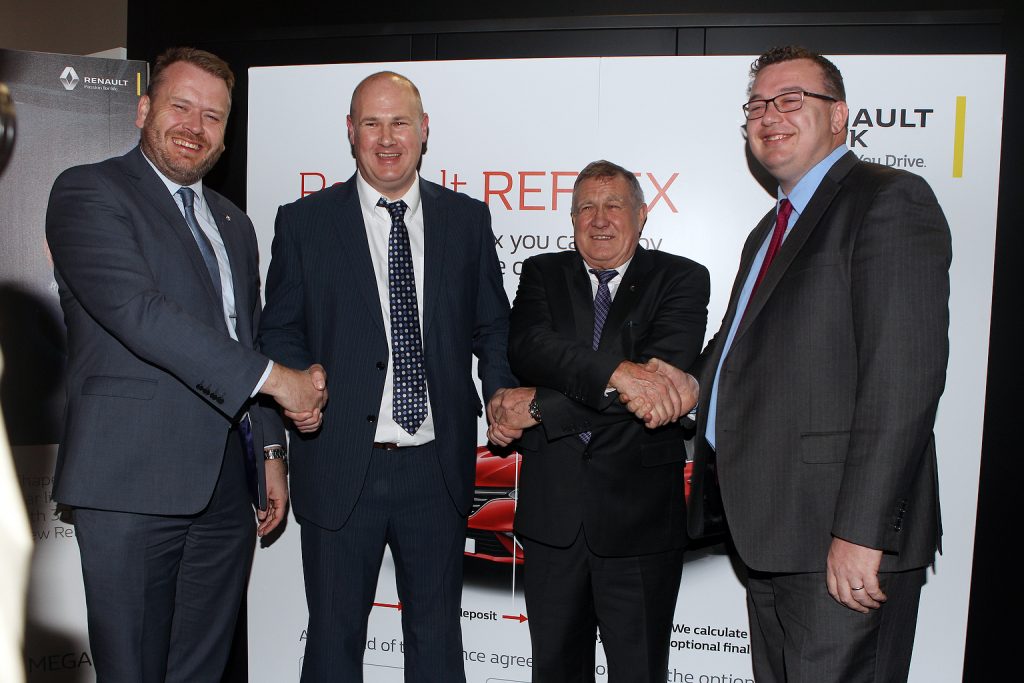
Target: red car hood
(493, 470)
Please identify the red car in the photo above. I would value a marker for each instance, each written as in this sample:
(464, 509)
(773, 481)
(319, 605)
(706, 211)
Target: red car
(489, 535)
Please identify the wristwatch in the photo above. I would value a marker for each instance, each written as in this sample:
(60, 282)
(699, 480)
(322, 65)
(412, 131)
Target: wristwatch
(275, 453)
(535, 410)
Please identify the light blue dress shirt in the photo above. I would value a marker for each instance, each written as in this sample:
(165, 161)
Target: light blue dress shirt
(799, 198)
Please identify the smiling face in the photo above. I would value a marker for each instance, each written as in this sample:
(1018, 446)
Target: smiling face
(387, 129)
(183, 122)
(789, 145)
(606, 221)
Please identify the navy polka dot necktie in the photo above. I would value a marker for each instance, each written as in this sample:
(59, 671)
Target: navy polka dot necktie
(409, 405)
(602, 303)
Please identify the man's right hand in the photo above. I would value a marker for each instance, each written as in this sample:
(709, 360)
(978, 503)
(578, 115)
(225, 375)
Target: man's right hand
(656, 392)
(302, 394)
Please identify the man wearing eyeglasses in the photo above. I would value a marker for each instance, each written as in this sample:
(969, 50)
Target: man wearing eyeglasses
(819, 392)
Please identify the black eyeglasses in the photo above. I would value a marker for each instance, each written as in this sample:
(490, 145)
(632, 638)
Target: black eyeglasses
(784, 103)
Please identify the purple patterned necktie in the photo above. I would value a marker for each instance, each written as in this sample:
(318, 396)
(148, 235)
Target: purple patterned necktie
(602, 302)
(409, 402)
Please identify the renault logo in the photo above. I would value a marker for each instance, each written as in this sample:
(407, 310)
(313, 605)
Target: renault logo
(69, 78)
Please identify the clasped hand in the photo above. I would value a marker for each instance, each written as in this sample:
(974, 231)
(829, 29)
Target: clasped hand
(508, 414)
(302, 394)
(656, 392)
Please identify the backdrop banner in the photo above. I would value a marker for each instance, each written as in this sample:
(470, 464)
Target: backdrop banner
(514, 134)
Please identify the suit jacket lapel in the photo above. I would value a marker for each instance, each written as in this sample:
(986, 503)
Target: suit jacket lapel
(435, 237)
(798, 235)
(581, 298)
(354, 250)
(629, 291)
(234, 243)
(150, 186)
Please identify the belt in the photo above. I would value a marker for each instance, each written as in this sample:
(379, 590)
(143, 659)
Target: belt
(386, 446)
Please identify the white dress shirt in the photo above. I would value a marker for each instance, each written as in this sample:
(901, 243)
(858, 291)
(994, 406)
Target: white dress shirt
(377, 222)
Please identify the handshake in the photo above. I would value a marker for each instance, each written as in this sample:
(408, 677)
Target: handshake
(302, 394)
(656, 392)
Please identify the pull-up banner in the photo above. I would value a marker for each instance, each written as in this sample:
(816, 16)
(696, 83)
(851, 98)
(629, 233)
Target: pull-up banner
(70, 110)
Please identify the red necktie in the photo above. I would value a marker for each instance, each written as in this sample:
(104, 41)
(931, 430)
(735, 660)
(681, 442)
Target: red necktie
(781, 221)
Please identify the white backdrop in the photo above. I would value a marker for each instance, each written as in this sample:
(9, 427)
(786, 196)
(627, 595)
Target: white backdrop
(513, 133)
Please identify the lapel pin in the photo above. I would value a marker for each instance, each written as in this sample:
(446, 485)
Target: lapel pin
(226, 217)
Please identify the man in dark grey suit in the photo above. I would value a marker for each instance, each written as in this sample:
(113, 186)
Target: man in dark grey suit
(393, 283)
(164, 450)
(819, 393)
(601, 511)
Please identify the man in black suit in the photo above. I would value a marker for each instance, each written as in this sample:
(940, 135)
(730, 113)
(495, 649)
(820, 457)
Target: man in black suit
(601, 511)
(819, 393)
(393, 282)
(159, 283)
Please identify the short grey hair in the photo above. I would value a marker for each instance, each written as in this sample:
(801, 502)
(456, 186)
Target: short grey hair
(606, 169)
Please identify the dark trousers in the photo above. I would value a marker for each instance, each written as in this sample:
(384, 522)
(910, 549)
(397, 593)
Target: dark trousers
(800, 634)
(163, 592)
(404, 505)
(571, 593)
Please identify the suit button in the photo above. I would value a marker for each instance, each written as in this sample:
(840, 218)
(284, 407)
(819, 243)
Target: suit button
(381, 365)
(220, 399)
(371, 418)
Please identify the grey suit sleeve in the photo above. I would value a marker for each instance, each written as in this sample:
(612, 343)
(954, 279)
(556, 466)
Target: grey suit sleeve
(97, 256)
(900, 294)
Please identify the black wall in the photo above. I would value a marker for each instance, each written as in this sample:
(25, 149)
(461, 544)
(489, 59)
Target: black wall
(407, 31)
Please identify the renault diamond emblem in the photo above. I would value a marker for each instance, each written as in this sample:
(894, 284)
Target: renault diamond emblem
(69, 78)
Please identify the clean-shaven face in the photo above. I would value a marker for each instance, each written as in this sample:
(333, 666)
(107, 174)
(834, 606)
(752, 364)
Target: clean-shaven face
(789, 145)
(387, 129)
(606, 222)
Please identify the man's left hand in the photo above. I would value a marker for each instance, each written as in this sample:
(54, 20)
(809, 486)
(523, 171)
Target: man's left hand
(277, 497)
(852, 575)
(508, 414)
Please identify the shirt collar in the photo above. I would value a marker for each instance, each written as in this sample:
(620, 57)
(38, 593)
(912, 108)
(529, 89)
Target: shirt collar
(621, 269)
(173, 187)
(368, 196)
(808, 185)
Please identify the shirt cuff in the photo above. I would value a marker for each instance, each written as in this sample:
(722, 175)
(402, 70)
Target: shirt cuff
(263, 379)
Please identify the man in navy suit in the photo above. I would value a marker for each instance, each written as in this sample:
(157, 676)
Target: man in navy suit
(393, 283)
(159, 283)
(602, 512)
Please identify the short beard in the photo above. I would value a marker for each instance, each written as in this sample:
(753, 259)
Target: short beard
(151, 144)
